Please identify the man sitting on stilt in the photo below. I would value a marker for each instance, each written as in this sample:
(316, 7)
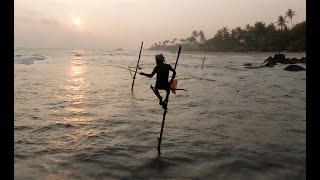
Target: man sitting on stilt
(162, 83)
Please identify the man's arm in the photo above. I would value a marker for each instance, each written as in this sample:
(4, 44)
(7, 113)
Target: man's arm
(149, 75)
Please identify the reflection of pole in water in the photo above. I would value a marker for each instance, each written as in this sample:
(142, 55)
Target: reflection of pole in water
(203, 59)
(205, 54)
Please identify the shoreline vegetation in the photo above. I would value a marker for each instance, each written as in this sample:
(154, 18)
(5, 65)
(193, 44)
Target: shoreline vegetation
(252, 38)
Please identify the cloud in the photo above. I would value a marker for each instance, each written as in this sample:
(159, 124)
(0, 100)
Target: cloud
(23, 19)
(32, 12)
(32, 17)
(128, 4)
(38, 20)
(50, 21)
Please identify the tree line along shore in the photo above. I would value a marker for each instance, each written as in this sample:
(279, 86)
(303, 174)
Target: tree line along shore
(260, 37)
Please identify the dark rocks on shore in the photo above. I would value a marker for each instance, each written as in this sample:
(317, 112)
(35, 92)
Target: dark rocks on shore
(302, 60)
(281, 58)
(270, 62)
(293, 61)
(294, 68)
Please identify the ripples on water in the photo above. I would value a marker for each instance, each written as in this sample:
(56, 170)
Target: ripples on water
(75, 118)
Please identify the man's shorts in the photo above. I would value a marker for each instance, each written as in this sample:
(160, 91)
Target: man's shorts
(163, 85)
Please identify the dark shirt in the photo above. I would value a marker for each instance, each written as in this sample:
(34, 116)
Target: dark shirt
(162, 71)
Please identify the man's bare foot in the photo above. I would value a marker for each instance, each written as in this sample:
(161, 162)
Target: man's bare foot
(160, 101)
(164, 105)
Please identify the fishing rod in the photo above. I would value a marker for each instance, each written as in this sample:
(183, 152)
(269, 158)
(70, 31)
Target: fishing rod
(124, 67)
(130, 70)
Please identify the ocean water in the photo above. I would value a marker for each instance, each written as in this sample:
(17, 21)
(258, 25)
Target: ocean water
(76, 118)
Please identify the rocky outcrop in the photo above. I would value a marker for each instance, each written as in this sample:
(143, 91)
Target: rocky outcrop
(302, 60)
(281, 58)
(294, 68)
(270, 62)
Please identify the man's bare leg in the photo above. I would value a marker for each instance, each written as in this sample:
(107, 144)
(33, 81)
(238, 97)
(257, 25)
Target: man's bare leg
(156, 91)
(165, 102)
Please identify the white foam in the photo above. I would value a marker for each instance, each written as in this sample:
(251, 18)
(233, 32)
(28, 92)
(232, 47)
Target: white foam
(30, 60)
(78, 53)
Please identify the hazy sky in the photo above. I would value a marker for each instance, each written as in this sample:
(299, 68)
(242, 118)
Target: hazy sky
(111, 24)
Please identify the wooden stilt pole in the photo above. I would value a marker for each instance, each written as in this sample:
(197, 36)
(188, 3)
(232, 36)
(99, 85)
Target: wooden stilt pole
(135, 73)
(165, 110)
(204, 58)
(160, 138)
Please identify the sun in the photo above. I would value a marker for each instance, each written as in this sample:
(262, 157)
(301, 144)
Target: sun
(76, 21)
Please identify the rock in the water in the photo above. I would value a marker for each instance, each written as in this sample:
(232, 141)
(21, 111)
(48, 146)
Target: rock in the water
(302, 60)
(247, 64)
(270, 62)
(294, 68)
(293, 61)
(286, 61)
(280, 58)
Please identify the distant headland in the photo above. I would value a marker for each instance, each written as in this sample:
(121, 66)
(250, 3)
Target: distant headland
(119, 49)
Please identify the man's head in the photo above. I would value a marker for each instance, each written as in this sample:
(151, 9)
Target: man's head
(159, 58)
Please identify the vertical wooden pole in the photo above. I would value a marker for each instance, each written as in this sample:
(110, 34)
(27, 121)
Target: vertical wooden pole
(162, 126)
(205, 54)
(165, 110)
(135, 73)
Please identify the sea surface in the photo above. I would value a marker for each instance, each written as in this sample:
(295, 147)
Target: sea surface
(76, 118)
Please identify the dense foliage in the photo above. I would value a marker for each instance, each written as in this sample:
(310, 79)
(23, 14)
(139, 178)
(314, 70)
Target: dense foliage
(259, 37)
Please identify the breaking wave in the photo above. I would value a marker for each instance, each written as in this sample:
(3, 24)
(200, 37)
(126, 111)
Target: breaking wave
(31, 59)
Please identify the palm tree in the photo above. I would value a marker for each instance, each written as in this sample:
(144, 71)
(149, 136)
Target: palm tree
(195, 34)
(281, 22)
(202, 37)
(192, 40)
(271, 27)
(248, 27)
(290, 14)
(174, 40)
(183, 41)
(165, 42)
(225, 33)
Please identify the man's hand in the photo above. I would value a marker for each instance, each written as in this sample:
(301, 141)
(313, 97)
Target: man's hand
(148, 75)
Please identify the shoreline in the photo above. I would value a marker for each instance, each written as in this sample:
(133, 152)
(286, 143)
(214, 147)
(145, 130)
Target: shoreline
(229, 52)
